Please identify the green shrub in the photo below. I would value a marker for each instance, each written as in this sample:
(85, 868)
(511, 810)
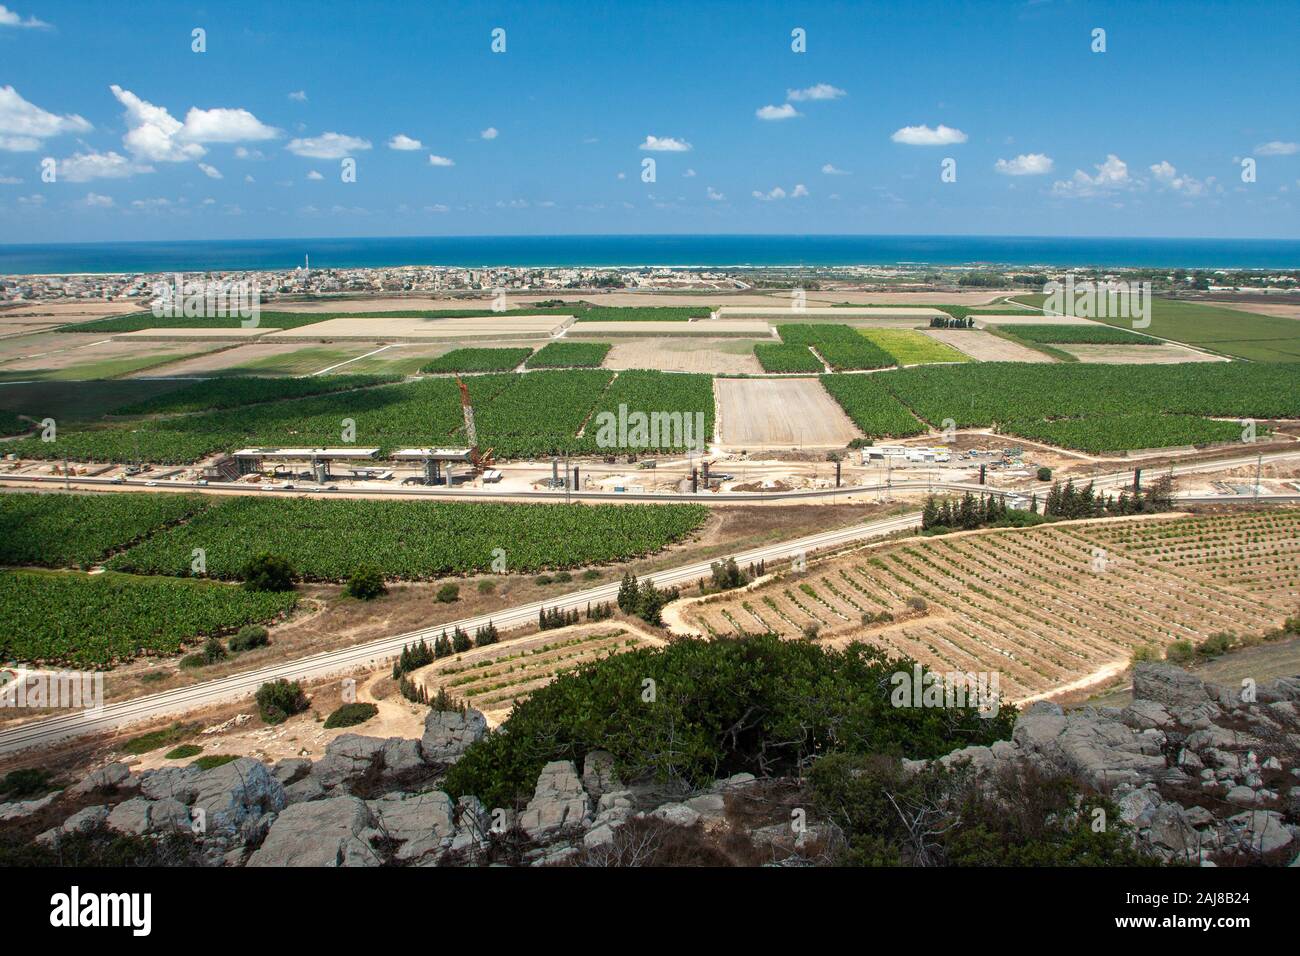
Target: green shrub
(591, 574)
(249, 637)
(213, 652)
(562, 577)
(28, 782)
(543, 579)
(279, 700)
(1044, 473)
(267, 572)
(350, 715)
(1144, 653)
(159, 738)
(1216, 645)
(757, 704)
(448, 594)
(183, 751)
(487, 587)
(917, 603)
(1179, 652)
(366, 584)
(214, 760)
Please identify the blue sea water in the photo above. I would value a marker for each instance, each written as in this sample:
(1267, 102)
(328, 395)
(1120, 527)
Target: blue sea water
(643, 250)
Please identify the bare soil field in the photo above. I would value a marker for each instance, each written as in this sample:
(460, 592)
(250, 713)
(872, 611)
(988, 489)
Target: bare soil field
(105, 359)
(1138, 354)
(917, 315)
(1033, 318)
(743, 328)
(686, 355)
(19, 328)
(1050, 609)
(222, 360)
(417, 329)
(1286, 310)
(43, 343)
(194, 335)
(780, 413)
(987, 347)
(69, 312)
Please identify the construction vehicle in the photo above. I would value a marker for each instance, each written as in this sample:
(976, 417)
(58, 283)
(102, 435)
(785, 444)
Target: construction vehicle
(482, 461)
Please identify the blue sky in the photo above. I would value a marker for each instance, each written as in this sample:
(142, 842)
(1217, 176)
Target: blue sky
(549, 137)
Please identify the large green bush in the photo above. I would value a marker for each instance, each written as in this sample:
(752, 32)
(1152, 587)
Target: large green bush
(696, 710)
(279, 700)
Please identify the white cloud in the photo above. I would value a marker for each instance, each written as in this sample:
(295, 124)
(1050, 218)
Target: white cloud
(440, 161)
(689, 174)
(313, 175)
(9, 18)
(924, 136)
(83, 167)
(1277, 148)
(782, 112)
(714, 194)
(97, 201)
(210, 171)
(243, 152)
(248, 178)
(1026, 164)
(776, 193)
(327, 146)
(298, 96)
(819, 91)
(437, 207)
(1112, 176)
(35, 199)
(490, 133)
(800, 190)
(666, 144)
(154, 133)
(151, 205)
(9, 180)
(223, 125)
(1167, 176)
(24, 125)
(403, 142)
(831, 170)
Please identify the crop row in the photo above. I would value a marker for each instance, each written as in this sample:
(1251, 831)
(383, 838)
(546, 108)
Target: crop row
(478, 360)
(1079, 335)
(841, 345)
(645, 314)
(58, 530)
(95, 620)
(871, 406)
(569, 355)
(786, 358)
(1112, 433)
(234, 392)
(283, 320)
(327, 540)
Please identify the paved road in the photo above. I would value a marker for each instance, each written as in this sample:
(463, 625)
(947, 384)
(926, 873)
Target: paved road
(238, 686)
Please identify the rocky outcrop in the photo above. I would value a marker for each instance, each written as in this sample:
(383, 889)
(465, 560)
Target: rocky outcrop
(559, 802)
(109, 777)
(227, 797)
(332, 832)
(447, 733)
(422, 822)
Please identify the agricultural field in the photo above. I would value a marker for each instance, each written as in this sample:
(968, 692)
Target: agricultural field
(281, 320)
(326, 540)
(646, 314)
(478, 360)
(912, 348)
(780, 412)
(1248, 335)
(787, 358)
(705, 356)
(985, 346)
(843, 348)
(1033, 605)
(1080, 335)
(493, 679)
(60, 530)
(569, 355)
(212, 394)
(649, 392)
(540, 413)
(102, 360)
(11, 424)
(1116, 433)
(872, 407)
(299, 361)
(97, 620)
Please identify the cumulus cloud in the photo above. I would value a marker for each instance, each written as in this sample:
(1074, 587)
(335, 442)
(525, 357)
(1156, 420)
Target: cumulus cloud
(1168, 177)
(35, 199)
(665, 144)
(437, 207)
(24, 125)
(403, 142)
(313, 175)
(1026, 164)
(97, 201)
(800, 190)
(1277, 148)
(1112, 176)
(775, 193)
(327, 146)
(819, 91)
(782, 112)
(298, 96)
(831, 170)
(83, 167)
(9, 180)
(440, 161)
(10, 18)
(924, 136)
(155, 135)
(489, 133)
(689, 174)
(210, 171)
(714, 195)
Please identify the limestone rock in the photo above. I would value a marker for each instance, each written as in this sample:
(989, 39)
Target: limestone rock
(229, 794)
(25, 808)
(447, 734)
(320, 833)
(423, 821)
(598, 775)
(105, 778)
(1168, 685)
(559, 802)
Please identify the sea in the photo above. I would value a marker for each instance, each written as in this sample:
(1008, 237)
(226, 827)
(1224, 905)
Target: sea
(685, 251)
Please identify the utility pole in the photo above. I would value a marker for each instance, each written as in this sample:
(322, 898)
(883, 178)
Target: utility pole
(1259, 463)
